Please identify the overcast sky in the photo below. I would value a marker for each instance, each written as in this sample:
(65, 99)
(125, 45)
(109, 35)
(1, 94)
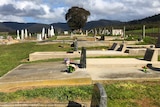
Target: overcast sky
(51, 11)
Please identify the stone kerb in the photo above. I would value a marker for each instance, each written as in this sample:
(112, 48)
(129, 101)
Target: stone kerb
(151, 54)
(99, 96)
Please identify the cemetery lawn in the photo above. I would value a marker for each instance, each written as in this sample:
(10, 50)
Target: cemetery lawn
(133, 93)
(120, 93)
(15, 54)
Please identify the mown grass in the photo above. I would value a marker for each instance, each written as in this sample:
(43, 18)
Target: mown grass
(119, 94)
(54, 94)
(147, 30)
(133, 94)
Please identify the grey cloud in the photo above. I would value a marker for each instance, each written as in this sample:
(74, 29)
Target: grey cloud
(9, 10)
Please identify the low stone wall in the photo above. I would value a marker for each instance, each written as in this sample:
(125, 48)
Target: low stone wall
(102, 43)
(50, 55)
(139, 51)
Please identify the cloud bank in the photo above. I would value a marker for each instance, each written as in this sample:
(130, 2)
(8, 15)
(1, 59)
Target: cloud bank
(51, 11)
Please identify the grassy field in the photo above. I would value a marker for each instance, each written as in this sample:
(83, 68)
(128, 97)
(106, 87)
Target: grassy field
(120, 93)
(148, 30)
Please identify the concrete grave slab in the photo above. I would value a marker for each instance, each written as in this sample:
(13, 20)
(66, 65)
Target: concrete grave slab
(43, 74)
(120, 69)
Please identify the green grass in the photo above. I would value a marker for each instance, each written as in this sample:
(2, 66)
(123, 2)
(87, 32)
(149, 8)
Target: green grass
(133, 94)
(119, 94)
(148, 30)
(56, 94)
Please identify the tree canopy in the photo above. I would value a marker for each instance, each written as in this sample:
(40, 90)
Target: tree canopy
(76, 17)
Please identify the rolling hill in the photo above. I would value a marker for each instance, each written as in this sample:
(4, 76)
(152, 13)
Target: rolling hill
(37, 27)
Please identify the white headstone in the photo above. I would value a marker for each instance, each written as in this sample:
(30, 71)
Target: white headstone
(18, 37)
(43, 33)
(39, 37)
(143, 31)
(30, 35)
(26, 33)
(22, 34)
(52, 31)
(66, 32)
(86, 32)
(49, 32)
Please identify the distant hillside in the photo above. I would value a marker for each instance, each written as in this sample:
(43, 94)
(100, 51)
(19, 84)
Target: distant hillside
(102, 23)
(150, 22)
(4, 28)
(37, 27)
(15, 25)
(62, 26)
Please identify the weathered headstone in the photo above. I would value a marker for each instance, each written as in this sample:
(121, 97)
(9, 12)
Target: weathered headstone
(124, 31)
(102, 38)
(43, 33)
(158, 43)
(114, 46)
(39, 37)
(49, 33)
(75, 43)
(83, 58)
(86, 32)
(151, 54)
(95, 32)
(1, 37)
(26, 33)
(18, 37)
(144, 32)
(99, 96)
(30, 35)
(22, 34)
(52, 31)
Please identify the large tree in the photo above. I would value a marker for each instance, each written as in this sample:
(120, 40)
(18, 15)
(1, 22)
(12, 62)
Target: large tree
(76, 17)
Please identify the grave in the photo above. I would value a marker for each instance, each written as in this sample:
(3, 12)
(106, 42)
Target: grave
(43, 74)
(99, 96)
